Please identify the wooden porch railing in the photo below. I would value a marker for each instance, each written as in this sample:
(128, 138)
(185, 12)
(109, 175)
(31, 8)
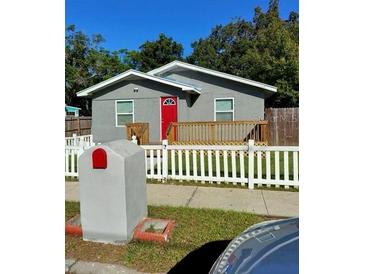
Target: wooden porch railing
(221, 132)
(140, 130)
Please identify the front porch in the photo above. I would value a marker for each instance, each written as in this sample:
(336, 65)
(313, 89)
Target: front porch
(206, 132)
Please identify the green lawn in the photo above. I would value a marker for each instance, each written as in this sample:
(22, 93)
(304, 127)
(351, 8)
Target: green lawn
(71, 209)
(194, 227)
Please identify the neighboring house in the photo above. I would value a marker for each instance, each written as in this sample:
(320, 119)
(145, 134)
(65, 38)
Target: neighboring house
(72, 111)
(174, 92)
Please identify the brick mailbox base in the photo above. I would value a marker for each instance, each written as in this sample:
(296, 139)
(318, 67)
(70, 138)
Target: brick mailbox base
(73, 226)
(154, 230)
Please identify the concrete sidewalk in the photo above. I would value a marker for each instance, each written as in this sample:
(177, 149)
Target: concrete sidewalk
(81, 267)
(263, 202)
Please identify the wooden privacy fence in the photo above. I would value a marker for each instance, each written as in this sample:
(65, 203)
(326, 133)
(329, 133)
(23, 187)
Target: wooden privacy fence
(245, 165)
(77, 125)
(220, 132)
(140, 130)
(284, 126)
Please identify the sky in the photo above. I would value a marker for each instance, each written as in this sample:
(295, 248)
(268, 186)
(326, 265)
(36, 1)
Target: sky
(129, 23)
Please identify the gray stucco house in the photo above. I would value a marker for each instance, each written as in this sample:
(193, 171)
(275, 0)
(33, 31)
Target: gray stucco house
(174, 92)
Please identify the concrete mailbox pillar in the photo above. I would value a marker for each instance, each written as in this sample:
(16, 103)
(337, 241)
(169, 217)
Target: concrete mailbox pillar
(113, 195)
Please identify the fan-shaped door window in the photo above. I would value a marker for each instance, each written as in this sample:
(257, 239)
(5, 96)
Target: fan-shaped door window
(169, 101)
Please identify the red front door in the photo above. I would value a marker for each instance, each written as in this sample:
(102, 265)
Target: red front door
(168, 113)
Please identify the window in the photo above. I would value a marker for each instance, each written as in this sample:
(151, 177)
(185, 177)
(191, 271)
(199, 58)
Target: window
(169, 101)
(124, 112)
(224, 109)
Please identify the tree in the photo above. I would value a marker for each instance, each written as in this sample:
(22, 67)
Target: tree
(86, 64)
(153, 54)
(265, 50)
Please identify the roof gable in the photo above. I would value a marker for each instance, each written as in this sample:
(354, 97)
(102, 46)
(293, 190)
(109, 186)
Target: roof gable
(136, 74)
(179, 64)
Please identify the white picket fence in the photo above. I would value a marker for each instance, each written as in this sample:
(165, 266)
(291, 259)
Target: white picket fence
(245, 165)
(249, 165)
(77, 141)
(72, 154)
(74, 147)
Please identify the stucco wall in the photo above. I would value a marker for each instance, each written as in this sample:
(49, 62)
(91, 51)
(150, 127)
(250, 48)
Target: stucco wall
(113, 200)
(146, 108)
(248, 100)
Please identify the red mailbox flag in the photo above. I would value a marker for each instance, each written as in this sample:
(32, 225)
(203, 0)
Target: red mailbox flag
(99, 159)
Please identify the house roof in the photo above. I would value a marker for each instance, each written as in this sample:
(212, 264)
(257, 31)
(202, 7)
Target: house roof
(179, 64)
(71, 108)
(132, 74)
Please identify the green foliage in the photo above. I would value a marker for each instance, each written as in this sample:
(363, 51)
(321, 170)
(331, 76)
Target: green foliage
(265, 50)
(86, 63)
(71, 209)
(153, 54)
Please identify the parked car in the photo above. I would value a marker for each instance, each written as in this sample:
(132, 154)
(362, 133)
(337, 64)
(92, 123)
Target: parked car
(268, 247)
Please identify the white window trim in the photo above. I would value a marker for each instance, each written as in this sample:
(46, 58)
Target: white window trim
(116, 111)
(224, 111)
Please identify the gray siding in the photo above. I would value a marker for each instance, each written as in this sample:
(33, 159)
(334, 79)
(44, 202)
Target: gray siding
(146, 108)
(249, 103)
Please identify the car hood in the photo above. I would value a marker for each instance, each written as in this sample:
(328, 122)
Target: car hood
(270, 247)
